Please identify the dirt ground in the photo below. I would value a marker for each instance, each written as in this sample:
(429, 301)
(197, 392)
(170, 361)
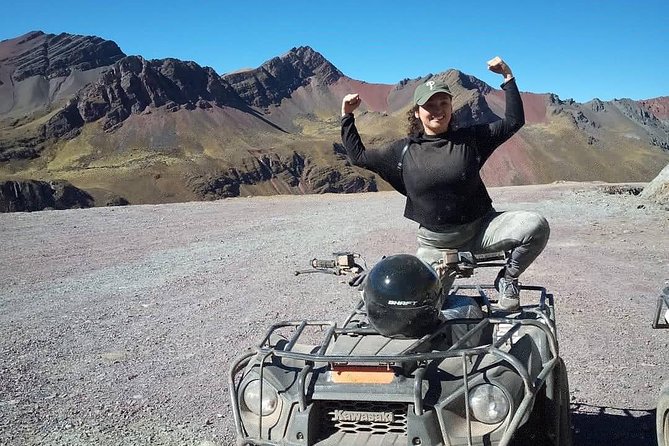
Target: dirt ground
(117, 325)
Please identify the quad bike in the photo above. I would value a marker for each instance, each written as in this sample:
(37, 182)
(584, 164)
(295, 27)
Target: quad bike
(662, 413)
(495, 379)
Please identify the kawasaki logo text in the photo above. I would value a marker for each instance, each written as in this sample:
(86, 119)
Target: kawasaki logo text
(349, 415)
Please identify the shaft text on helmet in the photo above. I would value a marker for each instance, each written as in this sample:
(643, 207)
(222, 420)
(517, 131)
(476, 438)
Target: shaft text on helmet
(403, 303)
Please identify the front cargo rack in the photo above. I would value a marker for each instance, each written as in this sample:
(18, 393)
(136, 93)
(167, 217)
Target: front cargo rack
(539, 316)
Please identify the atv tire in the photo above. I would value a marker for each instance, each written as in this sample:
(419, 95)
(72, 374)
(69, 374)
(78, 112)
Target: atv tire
(564, 433)
(538, 431)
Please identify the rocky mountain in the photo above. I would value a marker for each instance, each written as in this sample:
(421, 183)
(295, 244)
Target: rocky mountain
(40, 73)
(126, 129)
(51, 56)
(279, 77)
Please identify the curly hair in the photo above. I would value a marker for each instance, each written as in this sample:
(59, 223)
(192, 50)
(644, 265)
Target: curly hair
(415, 127)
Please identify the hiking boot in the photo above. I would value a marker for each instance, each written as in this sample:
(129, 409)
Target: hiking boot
(509, 292)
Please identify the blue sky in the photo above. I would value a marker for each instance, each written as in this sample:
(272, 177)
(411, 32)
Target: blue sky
(576, 49)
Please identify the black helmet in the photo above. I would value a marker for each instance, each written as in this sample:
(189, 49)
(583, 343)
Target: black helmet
(403, 297)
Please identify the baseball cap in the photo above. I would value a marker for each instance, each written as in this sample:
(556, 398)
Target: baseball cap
(427, 89)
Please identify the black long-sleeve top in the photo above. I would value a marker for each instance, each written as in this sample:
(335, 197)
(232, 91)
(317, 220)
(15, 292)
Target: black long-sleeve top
(439, 175)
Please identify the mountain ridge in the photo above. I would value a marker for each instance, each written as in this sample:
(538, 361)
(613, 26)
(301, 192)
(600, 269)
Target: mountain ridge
(166, 130)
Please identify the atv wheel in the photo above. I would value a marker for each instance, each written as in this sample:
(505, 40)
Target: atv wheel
(564, 434)
(550, 421)
(662, 416)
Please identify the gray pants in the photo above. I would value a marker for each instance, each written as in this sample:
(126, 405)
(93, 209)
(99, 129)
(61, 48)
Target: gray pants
(523, 233)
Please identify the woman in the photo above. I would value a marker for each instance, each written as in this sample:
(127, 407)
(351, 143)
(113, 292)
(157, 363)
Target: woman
(437, 169)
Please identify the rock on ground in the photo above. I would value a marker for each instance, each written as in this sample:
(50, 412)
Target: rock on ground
(658, 189)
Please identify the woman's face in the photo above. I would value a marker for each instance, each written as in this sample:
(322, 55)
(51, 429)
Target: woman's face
(435, 114)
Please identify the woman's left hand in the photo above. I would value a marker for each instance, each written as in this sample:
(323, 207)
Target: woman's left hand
(497, 65)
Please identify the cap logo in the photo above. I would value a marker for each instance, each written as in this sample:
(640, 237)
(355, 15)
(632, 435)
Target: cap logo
(430, 84)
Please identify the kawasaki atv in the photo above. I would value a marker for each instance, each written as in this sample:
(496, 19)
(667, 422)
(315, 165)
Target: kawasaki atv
(483, 377)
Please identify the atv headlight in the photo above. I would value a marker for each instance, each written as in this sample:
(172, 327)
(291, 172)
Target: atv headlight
(251, 398)
(488, 403)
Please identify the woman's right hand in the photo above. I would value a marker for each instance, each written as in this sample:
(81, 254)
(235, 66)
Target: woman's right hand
(350, 102)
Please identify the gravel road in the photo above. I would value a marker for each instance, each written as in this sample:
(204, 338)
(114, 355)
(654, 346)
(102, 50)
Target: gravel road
(117, 325)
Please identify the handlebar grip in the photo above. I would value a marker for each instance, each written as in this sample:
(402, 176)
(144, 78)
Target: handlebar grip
(319, 263)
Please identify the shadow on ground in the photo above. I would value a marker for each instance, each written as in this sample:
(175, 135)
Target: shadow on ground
(596, 425)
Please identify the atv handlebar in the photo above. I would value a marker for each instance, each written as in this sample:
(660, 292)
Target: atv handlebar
(463, 263)
(453, 256)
